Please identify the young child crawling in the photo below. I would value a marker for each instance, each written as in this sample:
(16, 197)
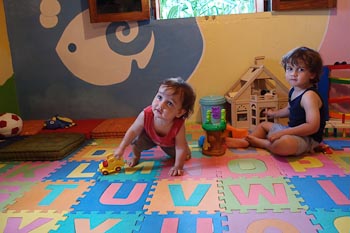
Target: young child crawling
(162, 124)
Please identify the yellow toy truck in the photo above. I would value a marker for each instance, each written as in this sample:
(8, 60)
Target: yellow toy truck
(111, 165)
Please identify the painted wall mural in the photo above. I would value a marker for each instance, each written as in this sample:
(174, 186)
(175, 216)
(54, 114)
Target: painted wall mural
(8, 96)
(66, 65)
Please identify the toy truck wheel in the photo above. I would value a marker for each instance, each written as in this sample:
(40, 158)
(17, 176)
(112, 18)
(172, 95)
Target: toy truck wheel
(118, 169)
(105, 172)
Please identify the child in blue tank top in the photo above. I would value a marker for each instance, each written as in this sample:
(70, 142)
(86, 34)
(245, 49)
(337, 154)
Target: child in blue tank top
(305, 110)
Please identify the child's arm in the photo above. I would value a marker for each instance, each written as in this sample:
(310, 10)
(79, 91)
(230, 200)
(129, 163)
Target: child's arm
(134, 130)
(283, 112)
(181, 153)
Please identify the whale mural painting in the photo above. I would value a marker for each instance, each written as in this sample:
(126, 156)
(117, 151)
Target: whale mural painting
(84, 70)
(116, 51)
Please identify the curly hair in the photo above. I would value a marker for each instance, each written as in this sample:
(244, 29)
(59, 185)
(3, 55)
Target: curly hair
(185, 91)
(311, 58)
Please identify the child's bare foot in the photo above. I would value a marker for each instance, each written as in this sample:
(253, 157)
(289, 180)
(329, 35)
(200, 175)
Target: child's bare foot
(133, 161)
(236, 142)
(257, 142)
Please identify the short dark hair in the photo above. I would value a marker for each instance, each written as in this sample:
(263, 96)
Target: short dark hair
(185, 91)
(310, 57)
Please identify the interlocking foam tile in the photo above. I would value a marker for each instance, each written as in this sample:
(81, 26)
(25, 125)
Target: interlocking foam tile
(270, 222)
(30, 171)
(24, 221)
(145, 170)
(185, 222)
(195, 168)
(184, 195)
(331, 221)
(238, 192)
(49, 195)
(10, 191)
(248, 165)
(106, 141)
(117, 196)
(342, 159)
(332, 192)
(5, 166)
(308, 165)
(259, 194)
(108, 222)
(95, 150)
(249, 150)
(76, 171)
(337, 144)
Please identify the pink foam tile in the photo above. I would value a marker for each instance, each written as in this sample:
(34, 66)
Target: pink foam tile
(205, 167)
(308, 165)
(30, 171)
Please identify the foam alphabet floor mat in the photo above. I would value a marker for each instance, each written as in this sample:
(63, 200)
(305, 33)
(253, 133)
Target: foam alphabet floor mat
(245, 190)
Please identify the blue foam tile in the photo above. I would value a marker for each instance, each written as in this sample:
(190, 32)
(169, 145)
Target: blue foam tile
(324, 192)
(338, 144)
(186, 222)
(115, 196)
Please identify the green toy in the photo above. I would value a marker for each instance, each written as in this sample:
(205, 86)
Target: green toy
(214, 126)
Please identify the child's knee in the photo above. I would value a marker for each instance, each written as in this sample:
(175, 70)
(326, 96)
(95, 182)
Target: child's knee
(284, 148)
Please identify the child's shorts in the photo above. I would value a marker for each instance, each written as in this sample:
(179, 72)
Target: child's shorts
(305, 144)
(144, 142)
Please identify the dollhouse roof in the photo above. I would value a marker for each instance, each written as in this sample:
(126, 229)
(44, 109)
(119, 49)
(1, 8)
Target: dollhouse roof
(254, 73)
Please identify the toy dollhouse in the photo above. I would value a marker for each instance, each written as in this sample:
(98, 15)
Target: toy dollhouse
(255, 92)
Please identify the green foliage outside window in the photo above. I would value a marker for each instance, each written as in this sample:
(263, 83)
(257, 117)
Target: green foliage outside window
(171, 9)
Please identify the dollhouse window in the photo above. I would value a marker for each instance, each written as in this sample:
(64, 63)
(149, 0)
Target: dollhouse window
(242, 117)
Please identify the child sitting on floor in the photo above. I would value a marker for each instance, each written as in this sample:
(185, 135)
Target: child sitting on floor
(306, 112)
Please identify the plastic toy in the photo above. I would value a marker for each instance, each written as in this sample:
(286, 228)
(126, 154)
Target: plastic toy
(334, 90)
(237, 133)
(215, 125)
(111, 165)
(58, 122)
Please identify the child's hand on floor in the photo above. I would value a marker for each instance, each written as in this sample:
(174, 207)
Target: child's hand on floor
(175, 171)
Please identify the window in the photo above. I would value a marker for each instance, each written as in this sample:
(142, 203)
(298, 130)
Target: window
(172, 9)
(137, 10)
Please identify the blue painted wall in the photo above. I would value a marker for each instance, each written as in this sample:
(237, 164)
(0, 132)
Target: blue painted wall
(65, 65)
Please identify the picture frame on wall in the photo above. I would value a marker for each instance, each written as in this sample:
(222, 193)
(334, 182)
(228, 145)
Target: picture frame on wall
(118, 10)
(285, 5)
